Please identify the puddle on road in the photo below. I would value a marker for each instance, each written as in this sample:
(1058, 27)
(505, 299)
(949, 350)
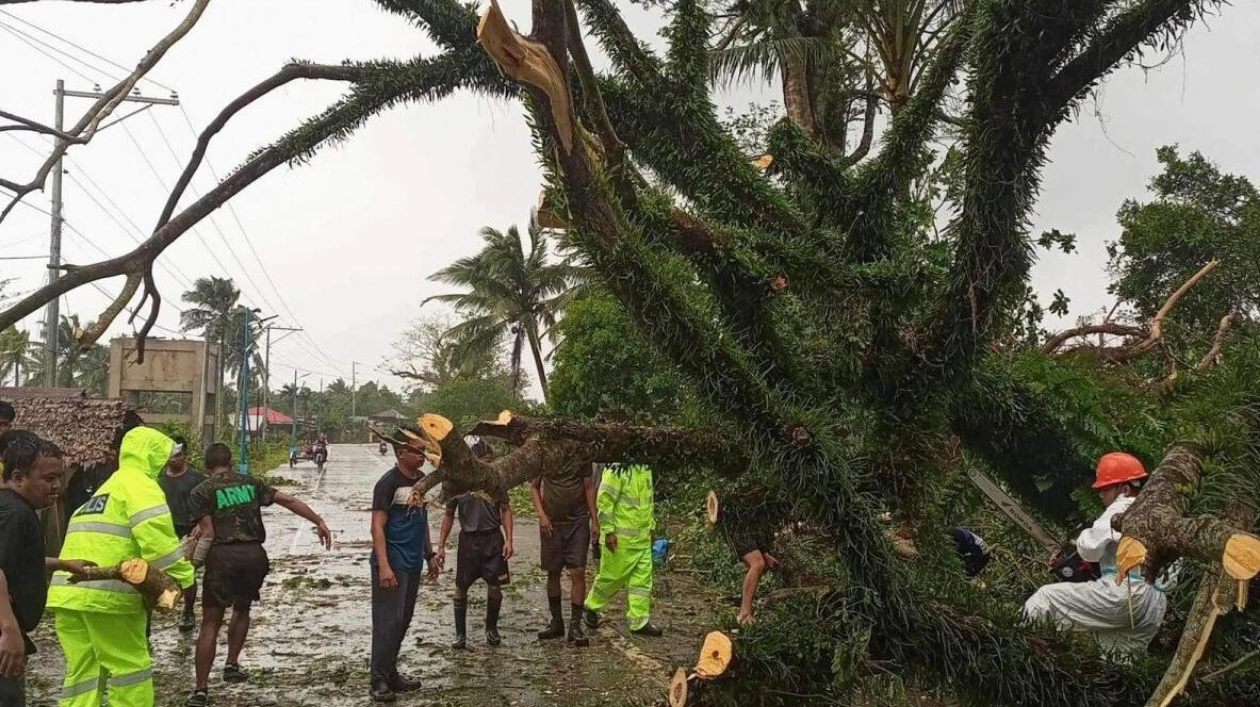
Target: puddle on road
(310, 640)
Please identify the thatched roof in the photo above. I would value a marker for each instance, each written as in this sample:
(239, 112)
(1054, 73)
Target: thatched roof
(81, 426)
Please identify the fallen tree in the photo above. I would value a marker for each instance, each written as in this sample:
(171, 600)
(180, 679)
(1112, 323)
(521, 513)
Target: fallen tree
(835, 344)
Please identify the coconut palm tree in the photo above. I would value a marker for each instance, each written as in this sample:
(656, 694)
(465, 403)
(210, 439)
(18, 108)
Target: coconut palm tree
(218, 315)
(76, 367)
(513, 294)
(14, 344)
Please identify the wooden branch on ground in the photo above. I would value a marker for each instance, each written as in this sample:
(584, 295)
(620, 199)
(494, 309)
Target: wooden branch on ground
(1156, 530)
(157, 587)
(1216, 596)
(1151, 335)
(83, 131)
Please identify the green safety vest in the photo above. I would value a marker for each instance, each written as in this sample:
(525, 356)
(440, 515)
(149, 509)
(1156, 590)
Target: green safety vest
(126, 519)
(625, 504)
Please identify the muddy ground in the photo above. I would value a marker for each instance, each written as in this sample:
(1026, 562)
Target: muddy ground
(310, 640)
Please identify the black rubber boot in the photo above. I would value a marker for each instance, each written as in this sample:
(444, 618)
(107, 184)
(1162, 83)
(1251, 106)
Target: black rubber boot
(591, 619)
(556, 628)
(461, 625)
(493, 605)
(649, 629)
(576, 636)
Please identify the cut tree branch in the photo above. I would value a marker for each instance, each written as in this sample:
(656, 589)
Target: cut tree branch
(1152, 335)
(550, 444)
(424, 79)
(1156, 530)
(86, 128)
(1213, 356)
(1218, 593)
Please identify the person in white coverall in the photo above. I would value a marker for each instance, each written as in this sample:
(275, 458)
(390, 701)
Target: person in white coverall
(1123, 616)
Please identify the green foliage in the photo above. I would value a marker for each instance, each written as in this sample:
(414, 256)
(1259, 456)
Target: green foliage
(604, 362)
(87, 369)
(467, 402)
(1197, 214)
(514, 293)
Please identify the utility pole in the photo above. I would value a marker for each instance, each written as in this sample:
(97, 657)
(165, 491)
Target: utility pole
(293, 427)
(52, 315)
(243, 389)
(267, 374)
(354, 382)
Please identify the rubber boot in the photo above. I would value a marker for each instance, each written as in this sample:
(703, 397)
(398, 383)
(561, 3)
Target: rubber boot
(461, 625)
(493, 605)
(556, 628)
(576, 636)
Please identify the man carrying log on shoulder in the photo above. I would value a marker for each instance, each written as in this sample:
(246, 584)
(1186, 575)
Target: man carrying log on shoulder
(101, 621)
(229, 507)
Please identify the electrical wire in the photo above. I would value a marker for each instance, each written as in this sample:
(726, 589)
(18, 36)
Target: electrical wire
(34, 43)
(89, 52)
(214, 222)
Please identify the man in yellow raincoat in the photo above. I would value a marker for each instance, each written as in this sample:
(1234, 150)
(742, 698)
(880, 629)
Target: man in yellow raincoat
(626, 521)
(101, 624)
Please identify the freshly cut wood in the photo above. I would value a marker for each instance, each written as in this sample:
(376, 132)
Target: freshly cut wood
(763, 163)
(529, 62)
(435, 426)
(1130, 554)
(1242, 557)
(678, 689)
(158, 589)
(715, 656)
(711, 508)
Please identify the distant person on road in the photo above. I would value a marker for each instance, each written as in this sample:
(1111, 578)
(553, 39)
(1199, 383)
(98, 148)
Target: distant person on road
(228, 506)
(178, 481)
(564, 498)
(485, 546)
(400, 548)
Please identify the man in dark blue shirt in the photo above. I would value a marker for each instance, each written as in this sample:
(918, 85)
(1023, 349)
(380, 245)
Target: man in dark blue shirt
(400, 548)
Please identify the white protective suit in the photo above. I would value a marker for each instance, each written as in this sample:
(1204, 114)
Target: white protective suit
(1125, 617)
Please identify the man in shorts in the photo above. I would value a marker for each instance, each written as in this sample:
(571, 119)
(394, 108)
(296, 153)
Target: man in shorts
(564, 499)
(485, 546)
(178, 480)
(232, 535)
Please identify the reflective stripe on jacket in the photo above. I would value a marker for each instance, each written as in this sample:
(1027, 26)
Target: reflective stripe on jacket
(625, 504)
(126, 519)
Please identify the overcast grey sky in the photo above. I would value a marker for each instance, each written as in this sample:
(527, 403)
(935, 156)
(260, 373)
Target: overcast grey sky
(349, 239)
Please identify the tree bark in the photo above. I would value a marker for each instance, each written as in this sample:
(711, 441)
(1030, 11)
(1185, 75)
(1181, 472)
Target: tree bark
(1217, 594)
(1156, 531)
(545, 444)
(157, 587)
(535, 348)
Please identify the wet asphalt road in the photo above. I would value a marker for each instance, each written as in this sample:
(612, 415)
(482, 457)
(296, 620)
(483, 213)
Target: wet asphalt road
(309, 644)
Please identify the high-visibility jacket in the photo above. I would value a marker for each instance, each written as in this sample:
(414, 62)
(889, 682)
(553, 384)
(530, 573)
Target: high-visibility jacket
(126, 519)
(625, 504)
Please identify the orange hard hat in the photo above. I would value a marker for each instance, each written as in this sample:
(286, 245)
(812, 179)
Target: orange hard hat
(1118, 468)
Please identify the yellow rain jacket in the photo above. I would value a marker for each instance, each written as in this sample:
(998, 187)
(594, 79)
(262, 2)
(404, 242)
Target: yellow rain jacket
(127, 518)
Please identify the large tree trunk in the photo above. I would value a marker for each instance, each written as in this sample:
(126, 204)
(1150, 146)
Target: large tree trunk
(535, 347)
(796, 95)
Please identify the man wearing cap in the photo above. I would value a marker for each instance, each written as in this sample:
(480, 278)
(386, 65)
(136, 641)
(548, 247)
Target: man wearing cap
(1123, 616)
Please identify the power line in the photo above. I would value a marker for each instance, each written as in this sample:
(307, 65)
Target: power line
(34, 44)
(214, 222)
(89, 52)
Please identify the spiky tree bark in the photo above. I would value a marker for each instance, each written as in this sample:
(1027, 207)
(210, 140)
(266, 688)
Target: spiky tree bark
(802, 307)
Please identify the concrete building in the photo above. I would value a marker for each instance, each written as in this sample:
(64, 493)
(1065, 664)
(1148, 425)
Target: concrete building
(178, 381)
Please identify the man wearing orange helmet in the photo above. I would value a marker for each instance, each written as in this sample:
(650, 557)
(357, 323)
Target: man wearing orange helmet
(1124, 615)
